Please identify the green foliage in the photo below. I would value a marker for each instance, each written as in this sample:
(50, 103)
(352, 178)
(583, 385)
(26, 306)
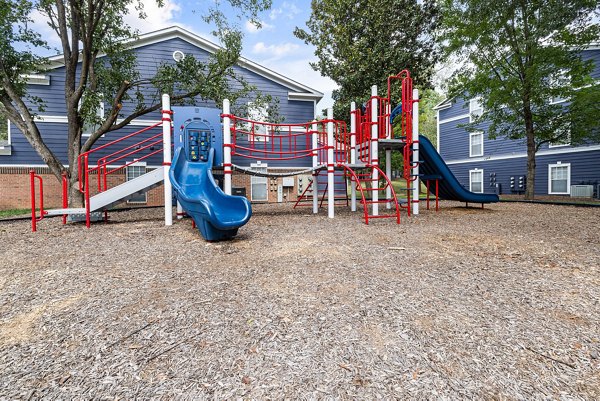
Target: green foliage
(101, 70)
(518, 56)
(427, 115)
(3, 126)
(361, 43)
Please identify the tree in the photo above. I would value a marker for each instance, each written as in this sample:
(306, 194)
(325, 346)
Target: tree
(361, 43)
(427, 115)
(99, 67)
(519, 55)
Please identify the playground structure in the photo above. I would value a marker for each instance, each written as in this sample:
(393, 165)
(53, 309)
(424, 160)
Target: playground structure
(326, 149)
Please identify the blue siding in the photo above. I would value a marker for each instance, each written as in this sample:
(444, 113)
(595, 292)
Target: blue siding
(585, 169)
(454, 140)
(593, 55)
(148, 59)
(459, 106)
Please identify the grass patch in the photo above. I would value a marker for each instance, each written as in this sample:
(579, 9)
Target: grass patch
(13, 212)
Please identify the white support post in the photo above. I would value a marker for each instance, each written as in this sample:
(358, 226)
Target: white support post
(166, 126)
(353, 153)
(179, 211)
(415, 159)
(330, 165)
(388, 154)
(374, 150)
(315, 163)
(226, 148)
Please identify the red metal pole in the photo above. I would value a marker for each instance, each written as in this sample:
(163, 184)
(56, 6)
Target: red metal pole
(427, 186)
(437, 195)
(87, 191)
(65, 202)
(41, 196)
(33, 216)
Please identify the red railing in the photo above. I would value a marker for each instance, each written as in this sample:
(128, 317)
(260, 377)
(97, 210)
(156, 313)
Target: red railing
(103, 169)
(269, 141)
(34, 217)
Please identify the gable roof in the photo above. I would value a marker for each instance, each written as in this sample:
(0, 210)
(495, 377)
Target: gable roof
(297, 91)
(444, 104)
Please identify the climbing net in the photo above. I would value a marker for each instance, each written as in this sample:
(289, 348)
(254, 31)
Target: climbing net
(304, 142)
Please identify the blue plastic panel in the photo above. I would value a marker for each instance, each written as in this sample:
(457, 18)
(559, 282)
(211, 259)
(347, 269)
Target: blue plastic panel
(198, 129)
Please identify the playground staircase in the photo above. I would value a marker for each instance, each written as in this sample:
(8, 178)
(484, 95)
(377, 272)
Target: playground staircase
(140, 145)
(373, 185)
(321, 185)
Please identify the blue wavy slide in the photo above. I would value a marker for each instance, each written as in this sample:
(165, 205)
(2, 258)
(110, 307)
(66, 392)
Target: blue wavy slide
(449, 187)
(217, 215)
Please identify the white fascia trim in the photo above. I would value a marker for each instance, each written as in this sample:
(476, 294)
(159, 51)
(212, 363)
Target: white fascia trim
(66, 166)
(559, 164)
(548, 152)
(64, 120)
(438, 130)
(304, 97)
(444, 104)
(178, 32)
(449, 120)
(37, 79)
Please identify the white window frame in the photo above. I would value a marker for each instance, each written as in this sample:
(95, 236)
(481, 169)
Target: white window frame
(471, 135)
(257, 180)
(145, 194)
(8, 131)
(477, 170)
(87, 129)
(556, 165)
(561, 144)
(475, 101)
(258, 114)
(562, 75)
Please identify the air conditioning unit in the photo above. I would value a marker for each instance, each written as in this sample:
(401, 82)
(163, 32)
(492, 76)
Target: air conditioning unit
(582, 191)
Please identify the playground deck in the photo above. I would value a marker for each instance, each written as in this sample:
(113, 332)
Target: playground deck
(500, 303)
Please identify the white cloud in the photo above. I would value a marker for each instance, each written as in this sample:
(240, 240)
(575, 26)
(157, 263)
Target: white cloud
(156, 17)
(251, 28)
(276, 51)
(287, 9)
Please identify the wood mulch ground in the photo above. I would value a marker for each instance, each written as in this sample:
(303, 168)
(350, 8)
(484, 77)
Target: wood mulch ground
(500, 303)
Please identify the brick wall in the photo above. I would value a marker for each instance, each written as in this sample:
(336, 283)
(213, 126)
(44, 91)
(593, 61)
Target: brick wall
(15, 188)
(15, 192)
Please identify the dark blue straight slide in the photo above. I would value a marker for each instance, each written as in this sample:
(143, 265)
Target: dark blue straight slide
(217, 215)
(449, 187)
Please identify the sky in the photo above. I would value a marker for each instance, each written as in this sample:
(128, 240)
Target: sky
(273, 45)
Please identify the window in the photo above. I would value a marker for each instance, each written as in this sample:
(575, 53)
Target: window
(5, 133)
(178, 55)
(256, 113)
(559, 179)
(475, 108)
(134, 171)
(558, 81)
(476, 144)
(259, 185)
(566, 141)
(88, 127)
(476, 181)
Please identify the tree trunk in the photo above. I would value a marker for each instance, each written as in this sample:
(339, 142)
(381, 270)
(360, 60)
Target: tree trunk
(531, 150)
(75, 196)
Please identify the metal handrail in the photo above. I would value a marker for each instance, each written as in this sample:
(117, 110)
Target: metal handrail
(101, 166)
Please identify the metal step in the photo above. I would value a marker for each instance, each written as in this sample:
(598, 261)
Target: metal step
(60, 212)
(123, 192)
